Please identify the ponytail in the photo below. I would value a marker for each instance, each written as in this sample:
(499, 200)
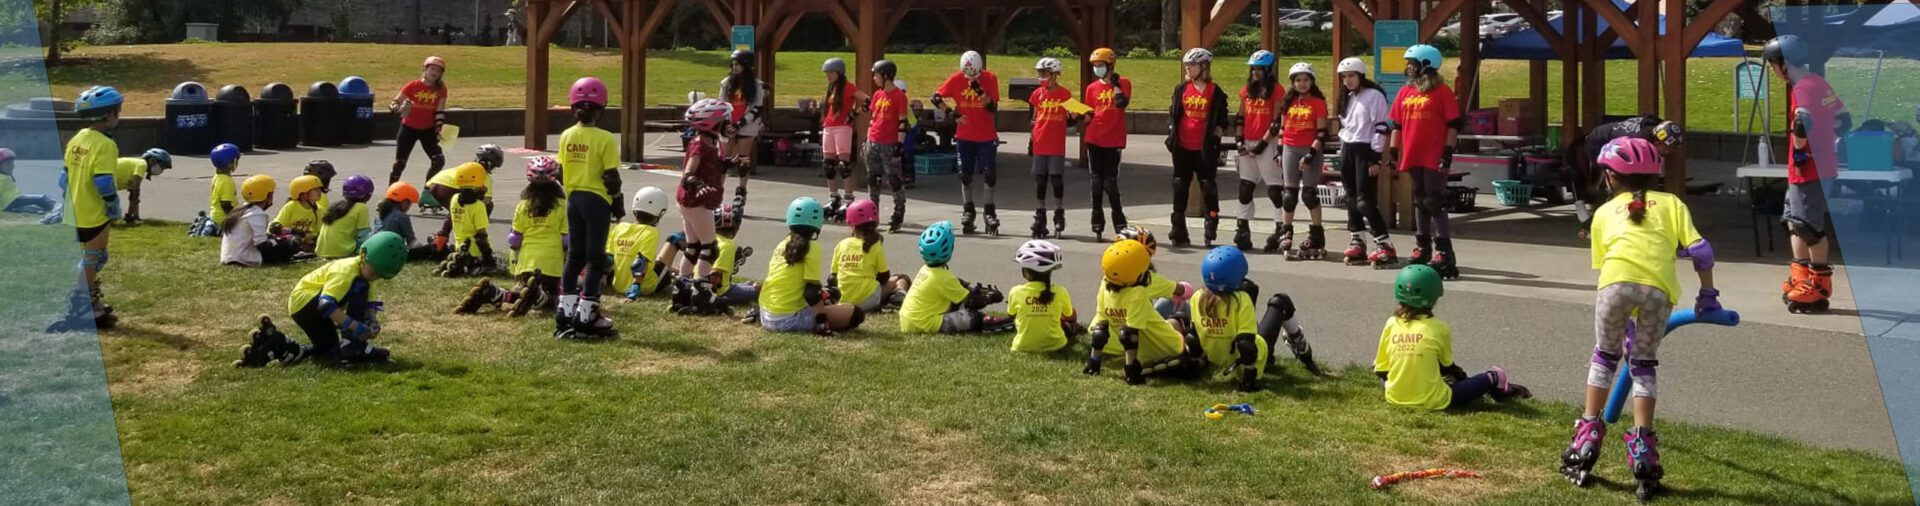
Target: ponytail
(384, 206)
(1210, 303)
(1638, 185)
(1637, 211)
(869, 235)
(234, 217)
(834, 96)
(337, 211)
(797, 246)
(1046, 285)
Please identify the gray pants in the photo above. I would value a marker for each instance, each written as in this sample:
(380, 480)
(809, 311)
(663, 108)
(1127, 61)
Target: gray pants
(883, 170)
(1619, 305)
(959, 321)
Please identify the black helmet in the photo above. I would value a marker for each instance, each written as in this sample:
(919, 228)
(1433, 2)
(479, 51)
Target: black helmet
(886, 68)
(490, 155)
(743, 57)
(1787, 49)
(321, 169)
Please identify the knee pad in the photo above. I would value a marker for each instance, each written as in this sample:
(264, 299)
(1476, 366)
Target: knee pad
(966, 178)
(830, 169)
(1805, 231)
(1280, 310)
(1248, 350)
(93, 258)
(859, 317)
(1246, 191)
(1100, 335)
(1643, 371)
(1600, 372)
(845, 168)
(987, 171)
(1129, 339)
(1312, 201)
(1290, 197)
(438, 160)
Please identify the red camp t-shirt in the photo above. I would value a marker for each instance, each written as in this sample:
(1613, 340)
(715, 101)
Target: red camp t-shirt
(1814, 93)
(1301, 124)
(426, 102)
(1194, 105)
(710, 172)
(1050, 120)
(887, 106)
(1423, 119)
(1108, 127)
(979, 126)
(1257, 113)
(837, 113)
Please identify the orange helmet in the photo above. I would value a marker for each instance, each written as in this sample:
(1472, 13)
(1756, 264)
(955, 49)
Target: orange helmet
(1103, 55)
(401, 191)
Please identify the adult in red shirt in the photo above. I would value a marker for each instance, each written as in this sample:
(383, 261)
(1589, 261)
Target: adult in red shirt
(1198, 119)
(1049, 145)
(836, 134)
(422, 105)
(1258, 160)
(975, 93)
(1106, 135)
(1817, 117)
(1425, 120)
(888, 105)
(1303, 123)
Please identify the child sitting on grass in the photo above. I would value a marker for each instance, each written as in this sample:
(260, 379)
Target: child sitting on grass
(1220, 320)
(12, 201)
(345, 224)
(1164, 295)
(1043, 314)
(726, 293)
(334, 306)
(472, 253)
(299, 218)
(244, 240)
(793, 299)
(1124, 305)
(635, 246)
(1415, 357)
(860, 273)
(939, 302)
(221, 200)
(392, 211)
(539, 223)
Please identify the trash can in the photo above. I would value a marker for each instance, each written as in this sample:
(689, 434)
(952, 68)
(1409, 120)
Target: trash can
(276, 124)
(357, 97)
(189, 129)
(322, 115)
(233, 117)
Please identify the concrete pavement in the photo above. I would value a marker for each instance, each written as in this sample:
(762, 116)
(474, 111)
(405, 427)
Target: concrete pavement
(1524, 301)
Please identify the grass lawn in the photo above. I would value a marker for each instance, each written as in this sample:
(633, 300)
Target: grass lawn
(486, 409)
(494, 76)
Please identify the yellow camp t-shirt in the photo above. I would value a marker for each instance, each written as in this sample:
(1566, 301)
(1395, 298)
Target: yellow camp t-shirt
(1644, 253)
(126, 170)
(1231, 317)
(729, 252)
(9, 191)
(332, 279)
(1037, 326)
(1412, 352)
(223, 191)
(1132, 307)
(89, 153)
(630, 241)
(783, 293)
(341, 238)
(585, 153)
(298, 217)
(858, 268)
(934, 292)
(469, 220)
(446, 178)
(539, 240)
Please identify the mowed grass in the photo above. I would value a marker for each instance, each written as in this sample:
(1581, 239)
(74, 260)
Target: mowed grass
(484, 77)
(682, 410)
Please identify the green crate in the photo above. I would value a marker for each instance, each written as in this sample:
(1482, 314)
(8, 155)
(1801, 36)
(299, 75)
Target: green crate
(1512, 193)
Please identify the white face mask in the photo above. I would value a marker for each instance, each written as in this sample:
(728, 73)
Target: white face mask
(1102, 72)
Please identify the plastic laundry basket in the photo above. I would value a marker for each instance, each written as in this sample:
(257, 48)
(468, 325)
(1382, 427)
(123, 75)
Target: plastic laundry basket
(1512, 193)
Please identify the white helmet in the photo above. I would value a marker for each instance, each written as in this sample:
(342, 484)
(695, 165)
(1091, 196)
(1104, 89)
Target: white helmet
(650, 200)
(1038, 255)
(1197, 55)
(1049, 65)
(1352, 65)
(1301, 68)
(900, 83)
(971, 64)
(695, 96)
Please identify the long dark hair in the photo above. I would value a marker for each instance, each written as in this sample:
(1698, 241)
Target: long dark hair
(1346, 95)
(545, 197)
(1046, 284)
(588, 114)
(1292, 94)
(337, 210)
(1210, 302)
(234, 217)
(1410, 313)
(869, 234)
(385, 206)
(834, 94)
(799, 241)
(745, 84)
(1263, 86)
(1637, 184)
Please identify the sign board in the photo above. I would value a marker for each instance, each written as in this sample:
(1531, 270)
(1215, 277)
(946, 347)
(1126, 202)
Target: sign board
(1749, 81)
(1391, 38)
(742, 37)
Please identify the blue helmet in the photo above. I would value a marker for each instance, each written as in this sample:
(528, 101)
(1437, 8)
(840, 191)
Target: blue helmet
(225, 155)
(1223, 269)
(806, 212)
(97, 98)
(1428, 56)
(1262, 58)
(159, 156)
(936, 244)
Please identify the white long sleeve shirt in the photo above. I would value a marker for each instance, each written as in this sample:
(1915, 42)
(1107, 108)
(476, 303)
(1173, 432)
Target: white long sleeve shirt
(1368, 110)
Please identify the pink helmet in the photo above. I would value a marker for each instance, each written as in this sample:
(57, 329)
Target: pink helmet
(1631, 156)
(542, 168)
(435, 61)
(707, 114)
(6, 154)
(589, 90)
(862, 212)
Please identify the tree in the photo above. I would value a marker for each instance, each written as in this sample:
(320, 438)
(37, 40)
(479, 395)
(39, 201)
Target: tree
(51, 14)
(1169, 24)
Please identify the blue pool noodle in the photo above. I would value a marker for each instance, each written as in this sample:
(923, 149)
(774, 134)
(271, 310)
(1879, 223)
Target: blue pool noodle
(1680, 318)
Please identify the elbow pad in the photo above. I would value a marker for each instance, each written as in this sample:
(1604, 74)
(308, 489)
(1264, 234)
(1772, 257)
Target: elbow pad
(991, 106)
(1453, 372)
(513, 240)
(1121, 100)
(812, 294)
(327, 304)
(1801, 117)
(1382, 128)
(1457, 124)
(1701, 253)
(611, 178)
(1390, 126)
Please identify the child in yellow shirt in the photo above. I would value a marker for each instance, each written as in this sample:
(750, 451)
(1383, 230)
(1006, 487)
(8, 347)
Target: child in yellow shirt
(860, 273)
(793, 299)
(635, 246)
(1415, 358)
(345, 224)
(537, 242)
(472, 253)
(939, 302)
(1124, 305)
(224, 195)
(1220, 320)
(299, 218)
(1043, 314)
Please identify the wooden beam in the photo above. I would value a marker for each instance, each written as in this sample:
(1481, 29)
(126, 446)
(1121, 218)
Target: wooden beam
(1270, 29)
(785, 28)
(619, 25)
(900, 10)
(722, 17)
(551, 25)
(774, 10)
(1674, 86)
(1075, 31)
(1436, 18)
(534, 121)
(633, 78)
(999, 26)
(1709, 17)
(1750, 16)
(1617, 18)
(1542, 26)
(1193, 23)
(842, 18)
(1468, 72)
(661, 8)
(946, 21)
(1356, 17)
(1609, 35)
(1648, 20)
(1220, 19)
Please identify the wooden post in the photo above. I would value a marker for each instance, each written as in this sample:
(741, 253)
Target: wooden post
(534, 135)
(1193, 21)
(1593, 103)
(1469, 70)
(1570, 73)
(1339, 47)
(1270, 30)
(633, 80)
(1678, 44)
(1649, 57)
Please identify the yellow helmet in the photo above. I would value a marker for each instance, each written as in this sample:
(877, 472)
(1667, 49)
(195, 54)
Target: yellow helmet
(470, 176)
(301, 185)
(257, 188)
(1124, 262)
(1103, 55)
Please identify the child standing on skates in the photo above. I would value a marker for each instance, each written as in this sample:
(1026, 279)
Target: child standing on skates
(1635, 236)
(1303, 123)
(1363, 135)
(836, 135)
(589, 171)
(1259, 157)
(1818, 117)
(1425, 121)
(889, 105)
(1106, 135)
(1049, 146)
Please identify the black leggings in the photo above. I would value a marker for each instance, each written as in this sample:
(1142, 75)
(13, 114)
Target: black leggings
(321, 331)
(1430, 202)
(587, 223)
(1188, 165)
(1105, 165)
(1363, 214)
(429, 141)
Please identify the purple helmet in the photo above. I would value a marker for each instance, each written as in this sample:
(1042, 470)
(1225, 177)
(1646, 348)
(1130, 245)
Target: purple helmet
(357, 188)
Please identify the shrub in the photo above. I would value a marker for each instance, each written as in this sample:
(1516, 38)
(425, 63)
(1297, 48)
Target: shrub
(1173, 53)
(1140, 52)
(1060, 52)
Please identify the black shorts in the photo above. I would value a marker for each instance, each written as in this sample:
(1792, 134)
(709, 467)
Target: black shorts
(86, 234)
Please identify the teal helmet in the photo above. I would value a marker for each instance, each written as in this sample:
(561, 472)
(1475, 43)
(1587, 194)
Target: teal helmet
(1418, 286)
(806, 212)
(936, 243)
(1428, 56)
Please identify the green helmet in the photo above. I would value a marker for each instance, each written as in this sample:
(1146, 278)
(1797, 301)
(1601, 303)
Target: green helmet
(1418, 286)
(386, 252)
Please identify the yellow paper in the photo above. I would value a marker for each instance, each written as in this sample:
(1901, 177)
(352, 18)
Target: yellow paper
(448, 135)
(1073, 105)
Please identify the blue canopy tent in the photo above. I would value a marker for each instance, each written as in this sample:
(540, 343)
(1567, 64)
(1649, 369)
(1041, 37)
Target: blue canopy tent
(1527, 44)
(1890, 28)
